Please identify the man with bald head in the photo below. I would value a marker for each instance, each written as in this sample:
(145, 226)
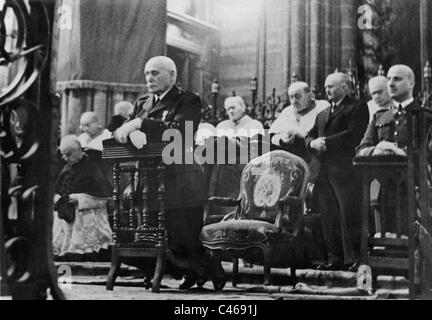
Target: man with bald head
(93, 133)
(295, 121)
(238, 124)
(387, 133)
(168, 107)
(381, 100)
(333, 138)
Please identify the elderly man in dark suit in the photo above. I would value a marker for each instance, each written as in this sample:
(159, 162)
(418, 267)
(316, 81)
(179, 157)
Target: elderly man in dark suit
(168, 107)
(336, 133)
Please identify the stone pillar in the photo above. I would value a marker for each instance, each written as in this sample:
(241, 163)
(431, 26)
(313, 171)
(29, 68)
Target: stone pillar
(425, 35)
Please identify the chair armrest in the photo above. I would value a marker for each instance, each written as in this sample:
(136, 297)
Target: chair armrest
(224, 202)
(290, 200)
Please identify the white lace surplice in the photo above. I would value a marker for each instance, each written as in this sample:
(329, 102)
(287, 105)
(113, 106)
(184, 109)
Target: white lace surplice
(90, 231)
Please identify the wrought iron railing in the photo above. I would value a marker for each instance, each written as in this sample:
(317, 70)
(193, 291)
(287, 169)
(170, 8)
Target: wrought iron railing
(267, 111)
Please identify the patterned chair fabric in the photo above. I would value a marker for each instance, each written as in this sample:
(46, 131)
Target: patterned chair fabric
(268, 180)
(266, 227)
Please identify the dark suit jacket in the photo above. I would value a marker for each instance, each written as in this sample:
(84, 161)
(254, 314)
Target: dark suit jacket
(116, 122)
(337, 189)
(343, 131)
(82, 177)
(185, 182)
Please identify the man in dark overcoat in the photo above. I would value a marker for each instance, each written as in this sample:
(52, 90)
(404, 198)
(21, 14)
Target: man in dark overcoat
(333, 139)
(168, 107)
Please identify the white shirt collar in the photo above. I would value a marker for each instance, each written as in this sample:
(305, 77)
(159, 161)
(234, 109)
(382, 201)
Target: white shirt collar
(339, 102)
(404, 104)
(160, 97)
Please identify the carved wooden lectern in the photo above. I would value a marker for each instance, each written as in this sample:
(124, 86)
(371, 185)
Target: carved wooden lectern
(387, 243)
(401, 243)
(137, 237)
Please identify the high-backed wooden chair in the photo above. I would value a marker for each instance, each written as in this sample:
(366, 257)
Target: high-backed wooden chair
(266, 228)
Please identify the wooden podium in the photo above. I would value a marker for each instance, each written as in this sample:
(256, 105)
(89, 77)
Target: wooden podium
(383, 253)
(144, 240)
(137, 232)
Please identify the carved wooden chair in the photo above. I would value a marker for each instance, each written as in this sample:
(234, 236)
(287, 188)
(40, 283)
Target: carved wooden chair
(266, 229)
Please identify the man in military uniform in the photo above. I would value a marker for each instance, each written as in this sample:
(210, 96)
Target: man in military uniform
(387, 133)
(168, 107)
(380, 97)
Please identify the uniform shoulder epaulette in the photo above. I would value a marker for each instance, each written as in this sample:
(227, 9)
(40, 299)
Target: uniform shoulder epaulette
(384, 116)
(381, 111)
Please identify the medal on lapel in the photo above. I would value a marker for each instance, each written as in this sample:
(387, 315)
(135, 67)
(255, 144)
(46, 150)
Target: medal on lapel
(164, 114)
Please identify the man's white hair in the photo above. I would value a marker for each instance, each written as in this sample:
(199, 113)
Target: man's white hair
(341, 77)
(235, 100)
(123, 108)
(377, 80)
(91, 115)
(168, 63)
(299, 85)
(70, 141)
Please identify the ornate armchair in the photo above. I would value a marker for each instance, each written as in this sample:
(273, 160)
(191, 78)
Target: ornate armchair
(267, 226)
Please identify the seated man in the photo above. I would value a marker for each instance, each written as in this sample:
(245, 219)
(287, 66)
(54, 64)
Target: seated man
(93, 133)
(295, 121)
(239, 123)
(81, 185)
(237, 131)
(91, 141)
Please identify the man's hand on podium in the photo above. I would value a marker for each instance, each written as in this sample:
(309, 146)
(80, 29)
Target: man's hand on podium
(122, 133)
(138, 139)
(388, 148)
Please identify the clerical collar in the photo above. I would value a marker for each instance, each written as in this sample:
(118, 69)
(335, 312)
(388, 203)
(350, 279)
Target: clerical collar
(404, 104)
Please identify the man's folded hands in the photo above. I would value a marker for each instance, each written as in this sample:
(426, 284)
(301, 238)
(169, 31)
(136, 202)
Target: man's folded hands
(122, 133)
(387, 148)
(138, 139)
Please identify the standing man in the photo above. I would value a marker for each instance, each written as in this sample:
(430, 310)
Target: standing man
(295, 121)
(387, 133)
(167, 107)
(336, 133)
(381, 100)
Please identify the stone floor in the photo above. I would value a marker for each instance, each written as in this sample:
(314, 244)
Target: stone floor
(87, 282)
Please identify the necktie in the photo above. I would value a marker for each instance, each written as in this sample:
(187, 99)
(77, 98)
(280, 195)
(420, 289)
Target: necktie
(400, 108)
(333, 108)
